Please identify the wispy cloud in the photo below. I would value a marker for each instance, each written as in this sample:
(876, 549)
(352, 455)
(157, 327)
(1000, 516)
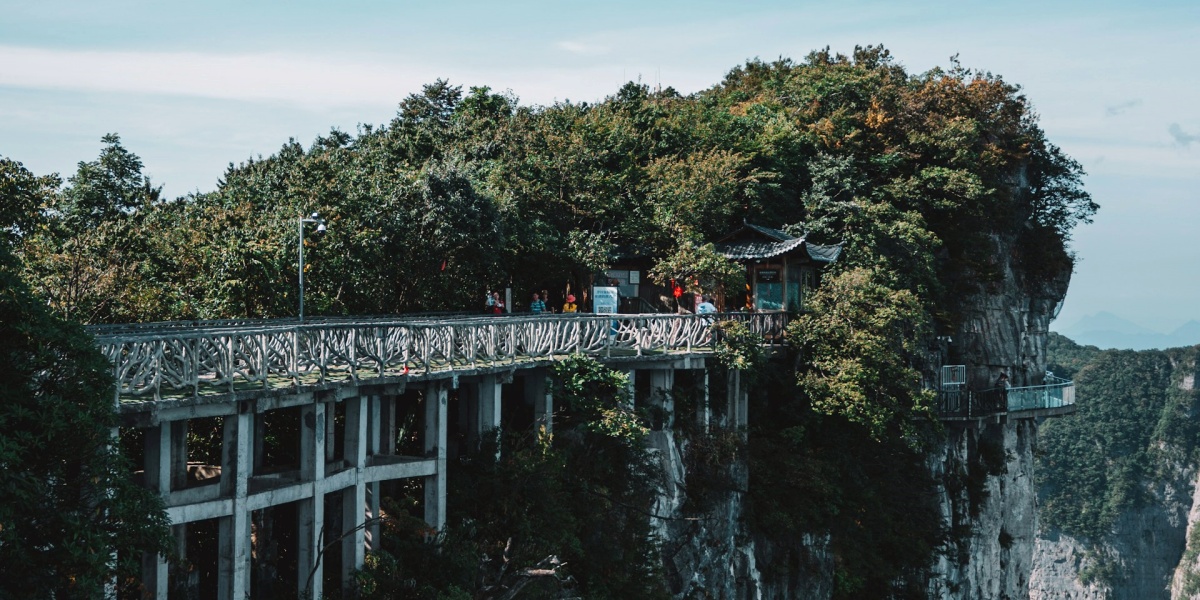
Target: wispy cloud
(293, 79)
(582, 48)
(1182, 137)
(1122, 107)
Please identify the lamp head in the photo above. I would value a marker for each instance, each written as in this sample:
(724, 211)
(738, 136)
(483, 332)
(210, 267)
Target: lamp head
(321, 228)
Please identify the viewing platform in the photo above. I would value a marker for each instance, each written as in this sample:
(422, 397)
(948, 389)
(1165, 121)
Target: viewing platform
(1055, 398)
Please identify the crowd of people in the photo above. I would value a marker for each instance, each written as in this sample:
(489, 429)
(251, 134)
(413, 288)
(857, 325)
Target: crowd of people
(540, 304)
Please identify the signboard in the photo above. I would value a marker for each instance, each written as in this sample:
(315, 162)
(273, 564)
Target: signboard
(768, 275)
(604, 300)
(635, 277)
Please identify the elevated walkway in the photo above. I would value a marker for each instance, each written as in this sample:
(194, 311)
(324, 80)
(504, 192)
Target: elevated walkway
(1055, 398)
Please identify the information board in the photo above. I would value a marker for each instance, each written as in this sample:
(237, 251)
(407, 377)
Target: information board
(604, 300)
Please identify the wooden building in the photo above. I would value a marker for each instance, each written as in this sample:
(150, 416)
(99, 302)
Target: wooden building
(781, 269)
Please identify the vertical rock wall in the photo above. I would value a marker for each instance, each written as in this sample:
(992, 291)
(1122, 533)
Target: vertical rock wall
(985, 469)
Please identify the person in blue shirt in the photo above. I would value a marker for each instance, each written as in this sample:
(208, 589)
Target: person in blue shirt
(706, 307)
(537, 307)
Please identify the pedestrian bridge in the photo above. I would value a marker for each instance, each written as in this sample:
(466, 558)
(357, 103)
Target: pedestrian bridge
(317, 421)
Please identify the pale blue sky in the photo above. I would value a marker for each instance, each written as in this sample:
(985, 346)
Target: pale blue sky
(192, 88)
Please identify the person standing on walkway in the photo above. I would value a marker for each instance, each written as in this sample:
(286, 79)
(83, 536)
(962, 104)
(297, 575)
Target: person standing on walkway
(706, 307)
(537, 307)
(569, 306)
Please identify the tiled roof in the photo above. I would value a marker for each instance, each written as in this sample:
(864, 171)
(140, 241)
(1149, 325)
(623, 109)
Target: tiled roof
(765, 242)
(757, 249)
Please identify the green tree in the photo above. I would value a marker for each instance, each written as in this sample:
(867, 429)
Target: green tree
(71, 519)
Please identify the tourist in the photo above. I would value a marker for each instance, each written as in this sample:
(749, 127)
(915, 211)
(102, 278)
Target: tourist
(497, 304)
(569, 306)
(489, 305)
(537, 307)
(706, 307)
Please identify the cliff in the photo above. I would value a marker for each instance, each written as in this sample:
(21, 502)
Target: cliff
(1129, 531)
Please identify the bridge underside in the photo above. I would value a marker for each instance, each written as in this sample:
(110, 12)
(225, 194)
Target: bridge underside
(287, 494)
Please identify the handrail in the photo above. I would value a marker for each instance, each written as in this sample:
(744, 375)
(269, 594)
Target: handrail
(966, 403)
(219, 358)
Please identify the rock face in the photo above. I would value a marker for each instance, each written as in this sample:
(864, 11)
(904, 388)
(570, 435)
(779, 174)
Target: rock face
(1151, 549)
(988, 498)
(985, 469)
(1138, 560)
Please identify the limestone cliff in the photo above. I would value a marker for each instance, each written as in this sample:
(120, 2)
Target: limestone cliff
(984, 469)
(1148, 546)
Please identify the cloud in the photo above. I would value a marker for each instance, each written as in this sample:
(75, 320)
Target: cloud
(582, 48)
(1182, 137)
(1122, 107)
(271, 77)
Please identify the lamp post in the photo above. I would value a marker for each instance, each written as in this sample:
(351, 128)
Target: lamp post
(315, 218)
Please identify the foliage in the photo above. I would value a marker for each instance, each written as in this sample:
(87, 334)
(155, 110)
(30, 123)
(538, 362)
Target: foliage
(1133, 428)
(71, 519)
(699, 269)
(737, 347)
(583, 494)
(860, 345)
(875, 498)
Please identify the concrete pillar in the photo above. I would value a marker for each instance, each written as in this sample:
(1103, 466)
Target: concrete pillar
(487, 411)
(157, 469)
(662, 382)
(631, 388)
(178, 455)
(387, 425)
(354, 498)
(330, 431)
(704, 410)
(311, 511)
(538, 394)
(374, 434)
(436, 393)
(233, 557)
(737, 401)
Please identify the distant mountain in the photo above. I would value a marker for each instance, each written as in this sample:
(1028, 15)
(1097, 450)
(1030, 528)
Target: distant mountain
(1106, 330)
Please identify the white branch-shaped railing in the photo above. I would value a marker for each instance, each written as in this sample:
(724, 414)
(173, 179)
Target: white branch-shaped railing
(155, 360)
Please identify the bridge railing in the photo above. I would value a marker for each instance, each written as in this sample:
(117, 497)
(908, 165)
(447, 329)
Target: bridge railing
(152, 362)
(1057, 393)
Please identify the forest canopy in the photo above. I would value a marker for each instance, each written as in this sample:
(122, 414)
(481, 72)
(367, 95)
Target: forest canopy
(468, 190)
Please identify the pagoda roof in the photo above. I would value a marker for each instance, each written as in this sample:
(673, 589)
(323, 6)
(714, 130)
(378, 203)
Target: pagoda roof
(755, 242)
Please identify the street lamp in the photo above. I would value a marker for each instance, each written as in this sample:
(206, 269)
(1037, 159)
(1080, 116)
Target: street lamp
(315, 218)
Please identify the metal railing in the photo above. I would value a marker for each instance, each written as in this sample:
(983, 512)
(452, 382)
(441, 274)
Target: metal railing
(959, 403)
(153, 361)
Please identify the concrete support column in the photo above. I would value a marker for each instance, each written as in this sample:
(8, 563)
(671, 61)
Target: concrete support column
(487, 412)
(538, 394)
(436, 393)
(354, 499)
(157, 469)
(374, 433)
(178, 455)
(738, 401)
(704, 410)
(311, 510)
(233, 557)
(631, 389)
(662, 382)
(387, 425)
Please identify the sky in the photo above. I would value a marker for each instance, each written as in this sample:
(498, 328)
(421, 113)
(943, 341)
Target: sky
(194, 87)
